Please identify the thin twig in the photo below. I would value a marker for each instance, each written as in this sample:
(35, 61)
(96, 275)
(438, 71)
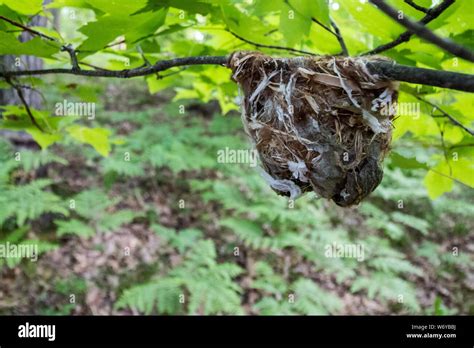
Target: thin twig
(145, 60)
(315, 20)
(340, 39)
(25, 28)
(72, 54)
(432, 14)
(259, 45)
(115, 43)
(325, 27)
(172, 73)
(445, 114)
(416, 7)
(93, 66)
(127, 73)
(33, 89)
(334, 32)
(423, 32)
(67, 47)
(25, 104)
(445, 150)
(461, 145)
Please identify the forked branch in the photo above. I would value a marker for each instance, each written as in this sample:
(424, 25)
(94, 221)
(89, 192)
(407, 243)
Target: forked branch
(423, 32)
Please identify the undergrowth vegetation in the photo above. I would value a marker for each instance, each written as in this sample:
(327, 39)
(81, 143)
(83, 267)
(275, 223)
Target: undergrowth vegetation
(185, 234)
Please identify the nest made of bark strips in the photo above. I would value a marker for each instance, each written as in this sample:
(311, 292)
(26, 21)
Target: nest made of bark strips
(319, 124)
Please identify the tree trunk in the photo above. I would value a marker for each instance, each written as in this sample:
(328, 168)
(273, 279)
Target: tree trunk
(9, 62)
(10, 96)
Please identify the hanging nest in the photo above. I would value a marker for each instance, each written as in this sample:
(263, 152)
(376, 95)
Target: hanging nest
(319, 124)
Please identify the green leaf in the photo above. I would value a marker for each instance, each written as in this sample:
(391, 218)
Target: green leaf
(148, 26)
(117, 7)
(317, 9)
(463, 170)
(98, 138)
(293, 25)
(372, 20)
(38, 47)
(133, 27)
(44, 139)
(437, 184)
(25, 7)
(406, 163)
(196, 6)
(465, 39)
(155, 85)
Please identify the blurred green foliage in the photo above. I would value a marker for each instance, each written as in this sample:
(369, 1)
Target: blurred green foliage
(401, 231)
(408, 231)
(122, 35)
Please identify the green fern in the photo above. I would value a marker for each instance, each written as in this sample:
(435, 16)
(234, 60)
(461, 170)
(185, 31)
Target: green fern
(388, 288)
(411, 221)
(111, 222)
(93, 210)
(306, 298)
(116, 164)
(378, 219)
(182, 240)
(32, 160)
(272, 306)
(17, 237)
(252, 234)
(310, 299)
(91, 204)
(394, 265)
(28, 202)
(209, 284)
(162, 294)
(75, 227)
(267, 281)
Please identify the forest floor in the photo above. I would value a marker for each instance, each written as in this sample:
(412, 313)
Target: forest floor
(96, 269)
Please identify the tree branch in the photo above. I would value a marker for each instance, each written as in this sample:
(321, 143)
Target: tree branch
(388, 71)
(72, 55)
(127, 73)
(424, 33)
(430, 77)
(322, 25)
(432, 14)
(385, 70)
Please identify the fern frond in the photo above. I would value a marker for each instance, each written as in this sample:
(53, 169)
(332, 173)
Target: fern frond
(28, 202)
(162, 294)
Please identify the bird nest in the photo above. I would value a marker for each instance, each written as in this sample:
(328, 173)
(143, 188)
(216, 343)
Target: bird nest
(319, 124)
